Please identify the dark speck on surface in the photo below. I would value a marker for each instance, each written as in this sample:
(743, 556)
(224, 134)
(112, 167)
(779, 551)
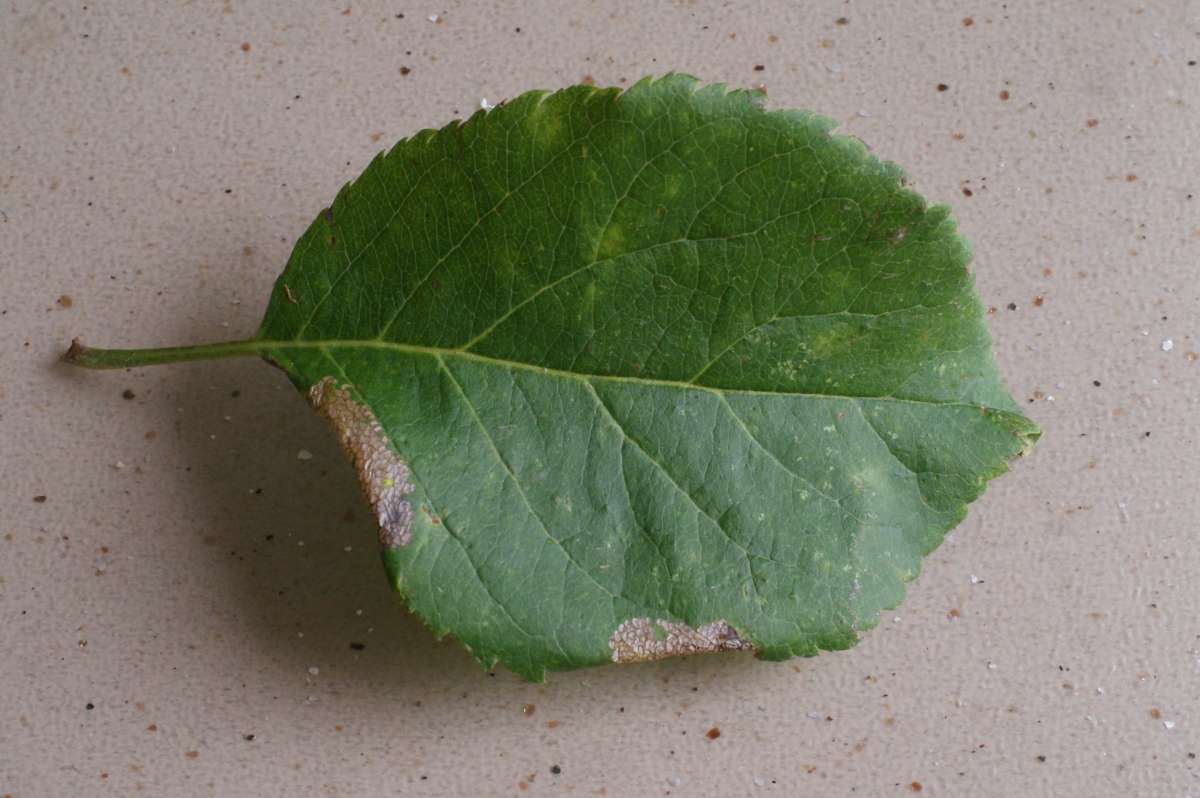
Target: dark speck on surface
(248, 738)
(555, 769)
(40, 499)
(358, 646)
(89, 706)
(128, 394)
(1004, 95)
(1011, 306)
(713, 733)
(759, 67)
(842, 21)
(942, 87)
(1096, 383)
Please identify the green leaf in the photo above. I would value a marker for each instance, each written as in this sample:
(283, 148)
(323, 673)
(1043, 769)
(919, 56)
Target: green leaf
(630, 375)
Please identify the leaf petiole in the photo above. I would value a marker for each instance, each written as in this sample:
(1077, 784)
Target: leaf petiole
(94, 358)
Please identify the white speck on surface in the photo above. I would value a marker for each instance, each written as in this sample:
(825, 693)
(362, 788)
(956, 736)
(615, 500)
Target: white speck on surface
(1099, 691)
(896, 619)
(1168, 345)
(299, 634)
(674, 781)
(433, 17)
(1123, 510)
(304, 454)
(991, 666)
(759, 781)
(118, 464)
(313, 670)
(347, 548)
(1168, 724)
(813, 715)
(485, 105)
(974, 579)
(299, 542)
(358, 612)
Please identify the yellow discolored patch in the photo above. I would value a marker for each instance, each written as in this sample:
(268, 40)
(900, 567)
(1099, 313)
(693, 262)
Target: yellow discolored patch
(545, 128)
(383, 475)
(612, 242)
(640, 640)
(672, 185)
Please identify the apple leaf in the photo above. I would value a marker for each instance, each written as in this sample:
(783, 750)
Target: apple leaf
(636, 374)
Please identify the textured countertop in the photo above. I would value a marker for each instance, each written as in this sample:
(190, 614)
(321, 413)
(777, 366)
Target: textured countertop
(189, 608)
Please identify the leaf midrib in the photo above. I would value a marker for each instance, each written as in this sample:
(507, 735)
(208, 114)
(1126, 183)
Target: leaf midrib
(443, 352)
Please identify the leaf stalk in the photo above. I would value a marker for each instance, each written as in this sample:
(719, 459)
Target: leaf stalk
(94, 358)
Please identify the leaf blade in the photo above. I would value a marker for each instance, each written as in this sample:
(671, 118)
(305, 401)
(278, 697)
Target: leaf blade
(652, 355)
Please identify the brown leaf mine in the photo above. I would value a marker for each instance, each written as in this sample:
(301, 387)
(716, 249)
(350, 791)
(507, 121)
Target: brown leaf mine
(637, 640)
(383, 475)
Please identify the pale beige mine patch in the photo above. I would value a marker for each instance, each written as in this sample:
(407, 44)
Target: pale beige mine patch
(637, 640)
(382, 474)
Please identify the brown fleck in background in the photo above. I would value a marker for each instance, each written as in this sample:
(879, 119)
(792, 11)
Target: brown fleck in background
(184, 574)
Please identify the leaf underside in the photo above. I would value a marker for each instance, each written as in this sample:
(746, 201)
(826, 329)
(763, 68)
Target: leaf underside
(636, 374)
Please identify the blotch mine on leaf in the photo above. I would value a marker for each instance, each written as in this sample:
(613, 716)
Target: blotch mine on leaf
(637, 640)
(383, 475)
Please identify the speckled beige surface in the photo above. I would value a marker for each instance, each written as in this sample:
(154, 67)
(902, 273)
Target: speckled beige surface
(177, 617)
